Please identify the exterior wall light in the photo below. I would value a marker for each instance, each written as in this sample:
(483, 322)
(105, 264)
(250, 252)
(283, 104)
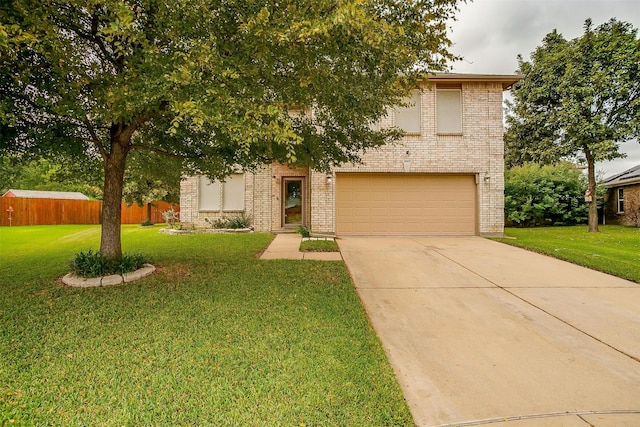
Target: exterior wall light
(329, 178)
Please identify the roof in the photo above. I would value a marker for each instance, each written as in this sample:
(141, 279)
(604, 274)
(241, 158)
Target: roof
(628, 177)
(507, 80)
(35, 194)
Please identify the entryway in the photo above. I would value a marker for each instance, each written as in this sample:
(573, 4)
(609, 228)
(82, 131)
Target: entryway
(292, 202)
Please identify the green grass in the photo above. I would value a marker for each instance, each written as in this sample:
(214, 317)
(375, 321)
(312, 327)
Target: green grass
(319, 246)
(614, 250)
(215, 338)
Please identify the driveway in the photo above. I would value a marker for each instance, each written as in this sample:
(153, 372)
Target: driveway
(484, 334)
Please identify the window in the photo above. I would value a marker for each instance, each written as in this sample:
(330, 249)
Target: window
(408, 118)
(233, 193)
(209, 194)
(229, 194)
(620, 200)
(449, 110)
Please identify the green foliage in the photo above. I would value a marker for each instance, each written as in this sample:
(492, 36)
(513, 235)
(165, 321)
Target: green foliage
(171, 217)
(234, 222)
(614, 250)
(545, 195)
(94, 264)
(49, 175)
(238, 221)
(216, 84)
(304, 231)
(150, 177)
(215, 338)
(146, 223)
(578, 99)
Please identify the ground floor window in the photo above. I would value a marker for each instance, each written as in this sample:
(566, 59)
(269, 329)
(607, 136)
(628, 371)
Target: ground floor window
(225, 196)
(620, 200)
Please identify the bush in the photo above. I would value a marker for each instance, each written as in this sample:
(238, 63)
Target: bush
(171, 217)
(94, 264)
(545, 195)
(304, 231)
(146, 223)
(239, 221)
(232, 222)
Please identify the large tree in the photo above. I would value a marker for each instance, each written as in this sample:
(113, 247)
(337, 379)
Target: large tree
(210, 82)
(578, 98)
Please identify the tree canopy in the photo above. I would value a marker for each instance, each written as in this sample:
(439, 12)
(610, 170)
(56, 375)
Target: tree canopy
(578, 98)
(217, 84)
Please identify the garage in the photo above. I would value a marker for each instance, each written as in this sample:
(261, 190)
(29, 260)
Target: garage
(405, 204)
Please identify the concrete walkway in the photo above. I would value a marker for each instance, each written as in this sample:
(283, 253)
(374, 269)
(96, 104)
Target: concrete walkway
(287, 246)
(484, 334)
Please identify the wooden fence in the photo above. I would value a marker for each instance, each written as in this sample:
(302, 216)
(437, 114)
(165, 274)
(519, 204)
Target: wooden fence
(59, 211)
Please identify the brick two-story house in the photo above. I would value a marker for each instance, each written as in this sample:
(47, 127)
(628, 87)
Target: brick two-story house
(445, 177)
(622, 205)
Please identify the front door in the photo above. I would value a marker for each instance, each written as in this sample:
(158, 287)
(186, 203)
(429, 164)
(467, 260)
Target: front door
(293, 202)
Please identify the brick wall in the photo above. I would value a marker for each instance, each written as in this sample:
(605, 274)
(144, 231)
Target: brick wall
(631, 215)
(478, 151)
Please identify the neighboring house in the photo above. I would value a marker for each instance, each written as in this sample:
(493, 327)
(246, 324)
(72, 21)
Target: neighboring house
(444, 177)
(622, 203)
(35, 194)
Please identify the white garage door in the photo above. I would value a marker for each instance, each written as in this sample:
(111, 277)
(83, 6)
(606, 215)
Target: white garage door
(388, 204)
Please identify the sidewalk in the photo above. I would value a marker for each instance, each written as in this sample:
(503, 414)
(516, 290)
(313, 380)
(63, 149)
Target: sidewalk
(286, 246)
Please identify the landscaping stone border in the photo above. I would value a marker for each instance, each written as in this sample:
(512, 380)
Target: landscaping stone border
(206, 231)
(93, 282)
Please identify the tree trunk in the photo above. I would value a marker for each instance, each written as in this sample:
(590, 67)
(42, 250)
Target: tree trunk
(114, 165)
(593, 204)
(149, 212)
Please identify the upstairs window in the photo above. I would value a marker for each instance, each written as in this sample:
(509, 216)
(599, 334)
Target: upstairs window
(221, 196)
(408, 118)
(449, 109)
(620, 200)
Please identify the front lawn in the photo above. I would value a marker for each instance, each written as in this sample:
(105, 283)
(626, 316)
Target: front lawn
(614, 250)
(318, 245)
(215, 338)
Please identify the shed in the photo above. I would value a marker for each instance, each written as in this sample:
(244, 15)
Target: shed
(36, 194)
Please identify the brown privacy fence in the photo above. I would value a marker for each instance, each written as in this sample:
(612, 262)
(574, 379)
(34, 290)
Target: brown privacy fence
(60, 211)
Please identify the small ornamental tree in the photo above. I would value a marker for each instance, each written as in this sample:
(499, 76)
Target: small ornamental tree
(578, 98)
(210, 82)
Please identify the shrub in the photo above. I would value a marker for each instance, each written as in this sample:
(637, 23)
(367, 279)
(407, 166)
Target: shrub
(171, 217)
(232, 222)
(146, 223)
(545, 195)
(239, 221)
(94, 264)
(304, 231)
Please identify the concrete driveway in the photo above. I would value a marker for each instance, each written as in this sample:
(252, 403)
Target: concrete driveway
(483, 334)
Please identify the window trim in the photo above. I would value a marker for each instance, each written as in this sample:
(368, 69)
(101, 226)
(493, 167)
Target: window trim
(450, 89)
(220, 191)
(620, 201)
(417, 93)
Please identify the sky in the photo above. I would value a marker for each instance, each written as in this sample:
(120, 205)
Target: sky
(490, 34)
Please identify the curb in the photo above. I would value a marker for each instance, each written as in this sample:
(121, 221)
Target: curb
(74, 281)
